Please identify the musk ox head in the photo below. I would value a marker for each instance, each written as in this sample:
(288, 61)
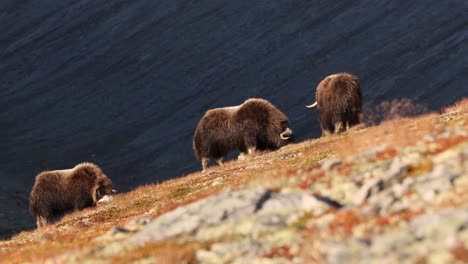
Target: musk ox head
(254, 125)
(338, 102)
(102, 188)
(57, 192)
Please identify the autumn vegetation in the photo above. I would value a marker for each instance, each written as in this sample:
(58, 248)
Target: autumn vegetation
(274, 170)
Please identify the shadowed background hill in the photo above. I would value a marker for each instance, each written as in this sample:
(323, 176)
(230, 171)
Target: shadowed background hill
(124, 83)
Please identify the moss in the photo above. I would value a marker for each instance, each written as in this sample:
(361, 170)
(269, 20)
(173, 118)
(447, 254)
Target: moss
(142, 205)
(111, 213)
(182, 192)
(301, 223)
(316, 157)
(425, 165)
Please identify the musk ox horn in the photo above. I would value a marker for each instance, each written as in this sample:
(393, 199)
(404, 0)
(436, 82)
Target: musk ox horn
(312, 105)
(286, 134)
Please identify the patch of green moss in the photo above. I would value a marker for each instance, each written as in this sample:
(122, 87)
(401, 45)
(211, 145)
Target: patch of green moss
(301, 223)
(143, 205)
(112, 213)
(316, 157)
(182, 192)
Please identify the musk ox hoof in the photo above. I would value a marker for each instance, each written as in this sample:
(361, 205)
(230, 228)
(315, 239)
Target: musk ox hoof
(248, 156)
(241, 157)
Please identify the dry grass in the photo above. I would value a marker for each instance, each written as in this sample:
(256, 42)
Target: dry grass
(164, 252)
(393, 133)
(457, 108)
(274, 170)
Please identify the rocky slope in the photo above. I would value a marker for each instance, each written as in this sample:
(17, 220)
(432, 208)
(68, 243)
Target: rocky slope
(394, 193)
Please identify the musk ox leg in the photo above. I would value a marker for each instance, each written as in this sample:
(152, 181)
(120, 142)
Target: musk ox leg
(241, 156)
(41, 221)
(220, 161)
(326, 132)
(339, 127)
(251, 150)
(204, 162)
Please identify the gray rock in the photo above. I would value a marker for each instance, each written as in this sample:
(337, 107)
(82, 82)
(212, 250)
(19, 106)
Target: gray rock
(187, 219)
(430, 236)
(264, 209)
(227, 252)
(438, 180)
(439, 225)
(389, 178)
(328, 164)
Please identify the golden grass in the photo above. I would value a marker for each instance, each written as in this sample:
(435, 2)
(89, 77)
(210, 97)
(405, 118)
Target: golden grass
(164, 252)
(394, 133)
(459, 107)
(298, 162)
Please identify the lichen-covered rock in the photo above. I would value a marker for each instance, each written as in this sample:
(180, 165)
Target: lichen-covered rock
(249, 212)
(428, 236)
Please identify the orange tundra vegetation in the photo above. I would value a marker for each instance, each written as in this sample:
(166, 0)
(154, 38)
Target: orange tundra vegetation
(293, 166)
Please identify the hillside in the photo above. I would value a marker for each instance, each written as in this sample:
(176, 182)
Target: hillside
(123, 83)
(393, 192)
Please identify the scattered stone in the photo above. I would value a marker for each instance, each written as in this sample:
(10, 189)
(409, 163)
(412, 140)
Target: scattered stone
(393, 176)
(329, 164)
(118, 230)
(217, 181)
(430, 235)
(247, 212)
(188, 219)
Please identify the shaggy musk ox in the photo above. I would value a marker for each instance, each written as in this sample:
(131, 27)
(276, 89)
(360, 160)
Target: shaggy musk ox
(254, 125)
(59, 191)
(338, 103)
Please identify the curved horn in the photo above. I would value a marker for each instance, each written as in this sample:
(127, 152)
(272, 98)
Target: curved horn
(286, 134)
(312, 105)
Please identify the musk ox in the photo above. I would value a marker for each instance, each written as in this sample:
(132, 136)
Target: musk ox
(254, 125)
(338, 102)
(56, 192)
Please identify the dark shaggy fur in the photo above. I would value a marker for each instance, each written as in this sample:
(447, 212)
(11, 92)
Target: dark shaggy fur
(254, 125)
(339, 105)
(59, 191)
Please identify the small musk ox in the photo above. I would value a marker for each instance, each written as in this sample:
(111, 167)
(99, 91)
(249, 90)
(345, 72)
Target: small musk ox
(56, 192)
(338, 103)
(254, 125)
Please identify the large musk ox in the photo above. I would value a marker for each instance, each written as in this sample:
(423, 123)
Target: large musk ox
(338, 103)
(254, 125)
(56, 192)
